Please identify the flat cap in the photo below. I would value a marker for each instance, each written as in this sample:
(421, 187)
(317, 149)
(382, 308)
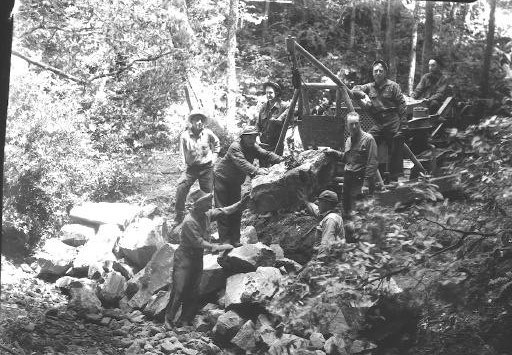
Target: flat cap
(328, 195)
(249, 130)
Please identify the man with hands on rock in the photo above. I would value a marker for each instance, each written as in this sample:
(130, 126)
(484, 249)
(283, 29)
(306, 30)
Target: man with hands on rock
(230, 173)
(188, 258)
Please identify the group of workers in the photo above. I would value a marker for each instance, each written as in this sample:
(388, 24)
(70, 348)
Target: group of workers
(224, 177)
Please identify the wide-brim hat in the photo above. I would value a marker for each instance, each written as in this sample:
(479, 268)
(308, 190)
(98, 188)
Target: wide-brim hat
(249, 130)
(273, 84)
(197, 113)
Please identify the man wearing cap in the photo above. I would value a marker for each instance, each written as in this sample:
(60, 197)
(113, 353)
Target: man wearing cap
(360, 162)
(188, 258)
(330, 229)
(386, 104)
(269, 121)
(433, 86)
(199, 147)
(230, 173)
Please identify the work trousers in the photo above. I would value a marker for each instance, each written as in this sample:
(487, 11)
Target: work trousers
(352, 189)
(388, 132)
(186, 276)
(226, 194)
(203, 173)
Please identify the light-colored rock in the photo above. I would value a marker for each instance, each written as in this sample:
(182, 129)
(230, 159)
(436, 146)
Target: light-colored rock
(112, 290)
(121, 214)
(228, 324)
(248, 235)
(317, 340)
(141, 240)
(76, 234)
(248, 258)
(246, 337)
(67, 282)
(55, 258)
(361, 347)
(148, 211)
(98, 249)
(213, 277)
(278, 251)
(252, 287)
(265, 330)
(287, 344)
(335, 345)
(96, 271)
(155, 308)
(156, 276)
(278, 189)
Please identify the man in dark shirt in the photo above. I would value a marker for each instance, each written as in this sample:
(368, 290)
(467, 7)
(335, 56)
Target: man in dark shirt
(386, 104)
(433, 86)
(188, 258)
(229, 175)
(360, 163)
(269, 122)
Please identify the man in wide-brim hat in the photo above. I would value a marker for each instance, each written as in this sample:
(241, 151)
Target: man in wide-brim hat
(229, 175)
(199, 147)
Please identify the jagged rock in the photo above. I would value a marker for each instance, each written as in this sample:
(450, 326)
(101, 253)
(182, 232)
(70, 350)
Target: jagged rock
(248, 258)
(141, 240)
(120, 214)
(289, 265)
(112, 290)
(335, 345)
(212, 313)
(277, 250)
(96, 271)
(76, 234)
(55, 258)
(98, 249)
(246, 337)
(66, 282)
(156, 276)
(155, 308)
(203, 346)
(361, 347)
(287, 343)
(265, 330)
(124, 269)
(317, 340)
(169, 347)
(227, 326)
(278, 189)
(248, 235)
(213, 277)
(252, 287)
(149, 210)
(84, 299)
(201, 324)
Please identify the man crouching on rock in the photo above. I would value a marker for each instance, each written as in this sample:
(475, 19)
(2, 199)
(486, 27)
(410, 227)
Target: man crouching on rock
(330, 229)
(188, 258)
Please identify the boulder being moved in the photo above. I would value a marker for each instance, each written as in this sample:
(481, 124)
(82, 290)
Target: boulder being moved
(278, 189)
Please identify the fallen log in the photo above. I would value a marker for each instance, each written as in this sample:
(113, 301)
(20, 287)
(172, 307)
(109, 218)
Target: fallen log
(412, 190)
(279, 189)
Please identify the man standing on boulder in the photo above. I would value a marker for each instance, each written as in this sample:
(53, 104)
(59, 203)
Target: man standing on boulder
(269, 123)
(188, 258)
(230, 173)
(387, 107)
(330, 229)
(199, 147)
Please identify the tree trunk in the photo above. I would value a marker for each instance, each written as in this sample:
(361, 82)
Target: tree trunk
(390, 28)
(352, 40)
(412, 55)
(265, 20)
(377, 32)
(232, 83)
(488, 49)
(427, 37)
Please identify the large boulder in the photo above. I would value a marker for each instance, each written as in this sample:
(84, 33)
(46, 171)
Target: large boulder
(248, 258)
(141, 240)
(76, 234)
(213, 278)
(156, 276)
(55, 258)
(278, 189)
(252, 288)
(112, 290)
(121, 214)
(98, 249)
(84, 298)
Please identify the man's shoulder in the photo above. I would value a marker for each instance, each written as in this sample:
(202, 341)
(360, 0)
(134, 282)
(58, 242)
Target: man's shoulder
(368, 136)
(333, 216)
